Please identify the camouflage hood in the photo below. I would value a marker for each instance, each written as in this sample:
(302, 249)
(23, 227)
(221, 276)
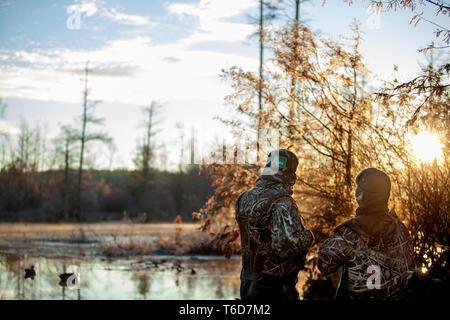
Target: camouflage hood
(274, 182)
(378, 230)
(373, 188)
(363, 243)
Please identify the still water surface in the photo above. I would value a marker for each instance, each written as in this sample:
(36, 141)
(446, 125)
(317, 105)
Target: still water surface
(151, 277)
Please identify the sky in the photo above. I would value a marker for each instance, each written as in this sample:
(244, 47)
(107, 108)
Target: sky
(171, 52)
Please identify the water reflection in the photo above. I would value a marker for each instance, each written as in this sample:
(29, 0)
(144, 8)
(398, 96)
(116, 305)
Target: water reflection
(186, 278)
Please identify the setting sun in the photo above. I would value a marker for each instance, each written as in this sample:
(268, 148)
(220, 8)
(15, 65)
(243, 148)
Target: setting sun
(426, 146)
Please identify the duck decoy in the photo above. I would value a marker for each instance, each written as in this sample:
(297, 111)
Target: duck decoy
(66, 276)
(30, 273)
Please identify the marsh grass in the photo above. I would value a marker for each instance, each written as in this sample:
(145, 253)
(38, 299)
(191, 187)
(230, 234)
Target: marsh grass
(115, 239)
(168, 242)
(84, 232)
(126, 248)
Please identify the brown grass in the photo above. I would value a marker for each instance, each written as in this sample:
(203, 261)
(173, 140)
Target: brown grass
(126, 248)
(47, 231)
(189, 241)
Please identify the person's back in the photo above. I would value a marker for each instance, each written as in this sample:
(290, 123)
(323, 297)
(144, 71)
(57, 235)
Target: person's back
(374, 248)
(273, 240)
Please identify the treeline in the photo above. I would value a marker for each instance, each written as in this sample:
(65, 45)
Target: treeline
(33, 196)
(58, 179)
(51, 180)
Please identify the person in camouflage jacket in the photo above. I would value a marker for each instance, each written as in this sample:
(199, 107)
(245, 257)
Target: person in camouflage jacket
(273, 240)
(374, 248)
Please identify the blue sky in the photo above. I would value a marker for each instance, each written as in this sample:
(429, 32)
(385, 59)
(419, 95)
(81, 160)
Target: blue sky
(168, 51)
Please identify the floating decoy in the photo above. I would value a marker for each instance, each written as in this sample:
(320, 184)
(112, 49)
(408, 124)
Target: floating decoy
(65, 277)
(30, 272)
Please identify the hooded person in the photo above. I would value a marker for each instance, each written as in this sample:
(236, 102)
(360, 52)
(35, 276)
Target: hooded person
(374, 248)
(274, 241)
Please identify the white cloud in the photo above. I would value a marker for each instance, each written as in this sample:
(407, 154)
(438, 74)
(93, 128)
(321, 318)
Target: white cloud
(131, 70)
(99, 7)
(127, 18)
(214, 9)
(211, 15)
(135, 71)
(86, 8)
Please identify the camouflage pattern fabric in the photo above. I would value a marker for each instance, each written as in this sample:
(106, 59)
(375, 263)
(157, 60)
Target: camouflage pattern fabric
(365, 246)
(273, 240)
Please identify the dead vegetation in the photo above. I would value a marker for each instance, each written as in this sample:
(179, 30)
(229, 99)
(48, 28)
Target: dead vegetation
(114, 239)
(167, 243)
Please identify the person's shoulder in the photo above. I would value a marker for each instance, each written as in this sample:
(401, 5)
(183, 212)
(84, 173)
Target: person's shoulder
(345, 227)
(284, 200)
(401, 227)
(250, 192)
(252, 195)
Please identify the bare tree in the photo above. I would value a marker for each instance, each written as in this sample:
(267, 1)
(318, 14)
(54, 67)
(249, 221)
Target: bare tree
(267, 11)
(64, 145)
(147, 148)
(85, 136)
(5, 142)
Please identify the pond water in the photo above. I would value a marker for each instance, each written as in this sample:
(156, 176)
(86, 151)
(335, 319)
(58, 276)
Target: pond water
(150, 277)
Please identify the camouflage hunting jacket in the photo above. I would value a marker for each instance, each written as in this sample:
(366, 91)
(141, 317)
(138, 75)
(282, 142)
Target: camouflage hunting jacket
(273, 239)
(376, 254)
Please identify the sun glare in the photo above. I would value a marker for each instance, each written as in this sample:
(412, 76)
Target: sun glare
(426, 146)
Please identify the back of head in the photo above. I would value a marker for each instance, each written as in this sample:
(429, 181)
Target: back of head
(373, 188)
(281, 164)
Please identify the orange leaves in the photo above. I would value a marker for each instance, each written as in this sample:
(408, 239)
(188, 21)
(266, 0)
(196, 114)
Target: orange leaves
(218, 213)
(334, 63)
(225, 240)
